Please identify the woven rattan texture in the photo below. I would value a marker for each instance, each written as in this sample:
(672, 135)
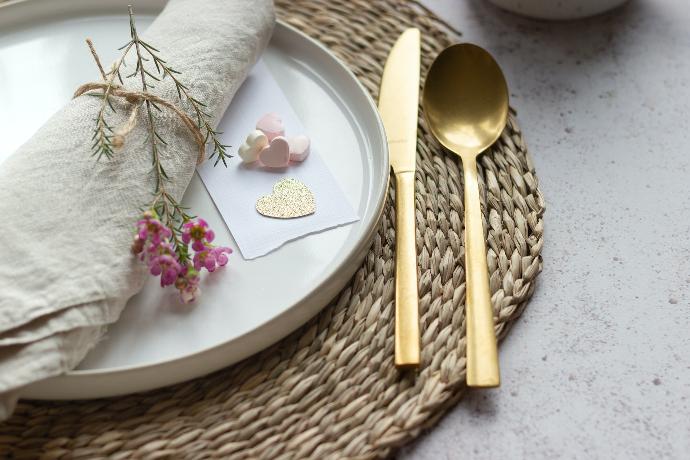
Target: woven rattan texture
(330, 390)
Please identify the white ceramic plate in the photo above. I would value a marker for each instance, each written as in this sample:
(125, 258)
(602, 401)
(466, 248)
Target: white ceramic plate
(43, 58)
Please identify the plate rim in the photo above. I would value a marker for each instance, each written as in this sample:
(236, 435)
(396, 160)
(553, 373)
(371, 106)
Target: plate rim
(45, 389)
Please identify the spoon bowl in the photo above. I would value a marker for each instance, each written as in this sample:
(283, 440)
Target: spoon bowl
(465, 101)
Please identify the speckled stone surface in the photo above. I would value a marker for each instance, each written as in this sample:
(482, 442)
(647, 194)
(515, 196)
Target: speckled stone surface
(599, 364)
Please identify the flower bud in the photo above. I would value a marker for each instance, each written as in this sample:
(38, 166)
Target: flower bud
(137, 245)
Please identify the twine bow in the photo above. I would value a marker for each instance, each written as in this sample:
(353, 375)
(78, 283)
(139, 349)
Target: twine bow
(137, 98)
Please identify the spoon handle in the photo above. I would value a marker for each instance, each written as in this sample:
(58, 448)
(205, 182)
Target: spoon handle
(482, 356)
(406, 294)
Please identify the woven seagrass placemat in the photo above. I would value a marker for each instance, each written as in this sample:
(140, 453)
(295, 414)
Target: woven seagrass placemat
(330, 390)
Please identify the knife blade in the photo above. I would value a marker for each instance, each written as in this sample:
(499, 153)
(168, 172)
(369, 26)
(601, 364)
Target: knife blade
(398, 107)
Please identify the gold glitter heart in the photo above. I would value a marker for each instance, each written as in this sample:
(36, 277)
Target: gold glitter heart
(290, 199)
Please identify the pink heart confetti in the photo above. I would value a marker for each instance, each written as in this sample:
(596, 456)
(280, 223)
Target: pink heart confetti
(276, 154)
(272, 125)
(299, 148)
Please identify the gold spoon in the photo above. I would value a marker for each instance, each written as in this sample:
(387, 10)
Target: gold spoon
(465, 101)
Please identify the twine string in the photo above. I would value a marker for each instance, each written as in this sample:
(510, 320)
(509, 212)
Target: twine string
(136, 99)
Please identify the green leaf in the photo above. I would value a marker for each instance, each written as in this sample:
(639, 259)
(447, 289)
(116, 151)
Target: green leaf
(160, 138)
(151, 75)
(147, 46)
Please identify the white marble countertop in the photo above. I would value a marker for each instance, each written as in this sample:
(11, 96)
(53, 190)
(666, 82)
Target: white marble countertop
(599, 364)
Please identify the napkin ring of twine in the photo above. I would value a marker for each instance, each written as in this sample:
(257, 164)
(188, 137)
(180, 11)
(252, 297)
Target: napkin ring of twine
(137, 98)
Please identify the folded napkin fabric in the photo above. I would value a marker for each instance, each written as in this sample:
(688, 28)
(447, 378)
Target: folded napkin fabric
(66, 270)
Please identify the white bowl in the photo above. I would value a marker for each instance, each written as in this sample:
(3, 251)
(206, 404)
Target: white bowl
(558, 9)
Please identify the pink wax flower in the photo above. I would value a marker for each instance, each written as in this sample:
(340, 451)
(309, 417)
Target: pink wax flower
(162, 260)
(197, 232)
(166, 252)
(149, 227)
(165, 265)
(221, 254)
(211, 258)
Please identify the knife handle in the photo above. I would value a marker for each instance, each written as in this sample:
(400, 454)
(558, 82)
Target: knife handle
(406, 294)
(482, 355)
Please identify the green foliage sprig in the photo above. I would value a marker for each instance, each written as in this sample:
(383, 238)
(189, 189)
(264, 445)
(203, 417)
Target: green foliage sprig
(149, 69)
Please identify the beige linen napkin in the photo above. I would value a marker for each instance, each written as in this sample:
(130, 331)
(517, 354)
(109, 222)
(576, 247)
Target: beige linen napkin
(66, 271)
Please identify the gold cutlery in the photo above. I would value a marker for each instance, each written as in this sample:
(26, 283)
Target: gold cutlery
(398, 106)
(465, 102)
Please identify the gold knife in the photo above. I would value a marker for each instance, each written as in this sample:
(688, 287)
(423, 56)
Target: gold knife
(398, 105)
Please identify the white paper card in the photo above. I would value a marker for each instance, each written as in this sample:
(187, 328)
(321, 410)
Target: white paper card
(236, 188)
